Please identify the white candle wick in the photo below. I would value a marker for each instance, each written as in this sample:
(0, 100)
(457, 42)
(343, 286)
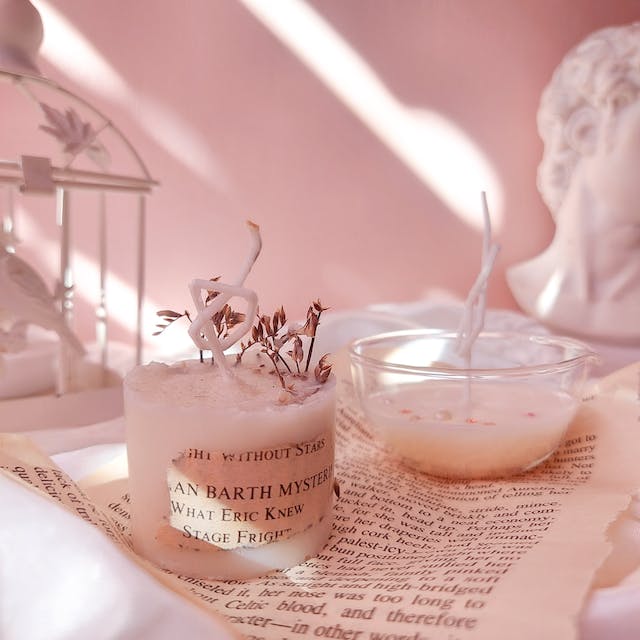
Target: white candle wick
(486, 234)
(473, 313)
(256, 247)
(202, 330)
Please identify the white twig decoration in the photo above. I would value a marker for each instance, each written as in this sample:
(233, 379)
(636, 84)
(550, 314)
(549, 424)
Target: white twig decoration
(202, 331)
(472, 321)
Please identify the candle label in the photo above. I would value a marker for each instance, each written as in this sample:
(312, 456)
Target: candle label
(228, 500)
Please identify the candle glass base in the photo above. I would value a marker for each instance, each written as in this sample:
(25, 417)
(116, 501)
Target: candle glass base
(503, 413)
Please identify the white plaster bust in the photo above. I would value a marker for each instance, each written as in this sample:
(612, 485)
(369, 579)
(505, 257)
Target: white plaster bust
(587, 281)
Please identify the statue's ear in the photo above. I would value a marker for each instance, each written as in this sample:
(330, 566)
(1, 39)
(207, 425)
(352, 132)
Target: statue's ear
(581, 130)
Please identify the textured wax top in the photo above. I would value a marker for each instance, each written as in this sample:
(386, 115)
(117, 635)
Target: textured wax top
(252, 385)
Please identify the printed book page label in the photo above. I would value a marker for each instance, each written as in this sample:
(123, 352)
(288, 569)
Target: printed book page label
(249, 498)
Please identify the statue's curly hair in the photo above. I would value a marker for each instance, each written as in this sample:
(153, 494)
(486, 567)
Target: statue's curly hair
(600, 74)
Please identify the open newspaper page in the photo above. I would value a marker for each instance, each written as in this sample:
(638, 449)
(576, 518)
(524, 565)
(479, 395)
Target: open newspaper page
(417, 557)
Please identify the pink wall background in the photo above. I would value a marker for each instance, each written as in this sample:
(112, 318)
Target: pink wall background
(342, 217)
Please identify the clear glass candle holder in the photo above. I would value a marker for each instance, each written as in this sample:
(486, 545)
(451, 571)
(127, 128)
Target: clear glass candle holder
(502, 412)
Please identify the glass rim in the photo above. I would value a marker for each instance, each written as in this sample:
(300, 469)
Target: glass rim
(585, 354)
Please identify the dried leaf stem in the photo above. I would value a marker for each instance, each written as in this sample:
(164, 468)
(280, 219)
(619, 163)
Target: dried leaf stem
(271, 334)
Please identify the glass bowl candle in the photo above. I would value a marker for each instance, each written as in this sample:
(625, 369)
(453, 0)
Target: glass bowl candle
(502, 412)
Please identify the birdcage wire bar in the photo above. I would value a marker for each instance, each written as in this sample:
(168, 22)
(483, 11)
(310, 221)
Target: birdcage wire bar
(65, 179)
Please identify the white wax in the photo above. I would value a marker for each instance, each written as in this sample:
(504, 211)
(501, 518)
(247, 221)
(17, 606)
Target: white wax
(192, 406)
(506, 428)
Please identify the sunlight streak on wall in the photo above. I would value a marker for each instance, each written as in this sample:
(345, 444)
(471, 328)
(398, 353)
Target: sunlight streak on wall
(440, 153)
(549, 295)
(177, 137)
(66, 48)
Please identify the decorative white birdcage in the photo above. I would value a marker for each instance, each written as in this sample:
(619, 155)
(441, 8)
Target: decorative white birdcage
(56, 144)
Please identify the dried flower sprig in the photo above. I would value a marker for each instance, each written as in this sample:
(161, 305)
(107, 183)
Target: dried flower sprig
(272, 335)
(168, 317)
(223, 320)
(216, 326)
(323, 369)
(311, 326)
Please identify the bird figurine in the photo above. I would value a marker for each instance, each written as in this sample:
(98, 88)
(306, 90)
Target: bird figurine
(25, 296)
